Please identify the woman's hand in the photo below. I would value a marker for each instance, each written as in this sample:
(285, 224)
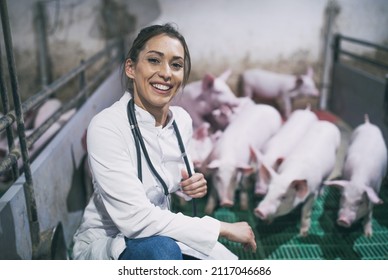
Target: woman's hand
(195, 186)
(239, 232)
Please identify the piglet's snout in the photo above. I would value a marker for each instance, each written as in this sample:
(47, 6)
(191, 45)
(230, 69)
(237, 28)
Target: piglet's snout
(344, 221)
(226, 203)
(260, 214)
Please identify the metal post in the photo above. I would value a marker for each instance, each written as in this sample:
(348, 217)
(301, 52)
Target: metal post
(82, 81)
(336, 47)
(386, 101)
(28, 185)
(42, 45)
(332, 11)
(336, 56)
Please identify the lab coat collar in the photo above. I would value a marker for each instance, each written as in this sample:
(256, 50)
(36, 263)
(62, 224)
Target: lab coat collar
(144, 116)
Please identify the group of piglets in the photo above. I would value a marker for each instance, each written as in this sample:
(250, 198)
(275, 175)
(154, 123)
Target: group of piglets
(289, 154)
(297, 177)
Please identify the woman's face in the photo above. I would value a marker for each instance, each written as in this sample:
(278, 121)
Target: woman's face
(158, 73)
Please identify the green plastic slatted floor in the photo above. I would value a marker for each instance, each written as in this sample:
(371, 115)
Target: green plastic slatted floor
(326, 240)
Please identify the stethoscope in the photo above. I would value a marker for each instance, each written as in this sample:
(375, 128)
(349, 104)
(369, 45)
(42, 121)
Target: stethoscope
(139, 144)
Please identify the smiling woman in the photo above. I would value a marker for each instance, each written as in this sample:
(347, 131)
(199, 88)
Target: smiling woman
(129, 216)
(157, 75)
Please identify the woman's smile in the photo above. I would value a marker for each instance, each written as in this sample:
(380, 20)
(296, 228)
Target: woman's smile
(162, 88)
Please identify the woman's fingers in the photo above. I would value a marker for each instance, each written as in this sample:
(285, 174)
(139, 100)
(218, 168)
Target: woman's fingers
(195, 186)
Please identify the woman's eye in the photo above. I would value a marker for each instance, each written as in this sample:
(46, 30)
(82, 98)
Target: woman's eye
(153, 60)
(177, 66)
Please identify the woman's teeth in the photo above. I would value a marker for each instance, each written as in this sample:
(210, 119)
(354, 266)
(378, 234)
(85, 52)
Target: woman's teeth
(161, 87)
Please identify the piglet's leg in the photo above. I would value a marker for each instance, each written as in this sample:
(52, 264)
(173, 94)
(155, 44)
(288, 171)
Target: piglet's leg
(306, 215)
(367, 222)
(211, 202)
(287, 106)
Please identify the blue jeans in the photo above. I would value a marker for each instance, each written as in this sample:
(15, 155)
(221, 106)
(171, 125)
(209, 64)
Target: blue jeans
(151, 248)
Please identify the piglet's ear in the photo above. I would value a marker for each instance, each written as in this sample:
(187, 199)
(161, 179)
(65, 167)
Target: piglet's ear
(264, 174)
(372, 195)
(207, 82)
(337, 183)
(214, 164)
(202, 131)
(225, 75)
(246, 169)
(264, 169)
(300, 187)
(310, 72)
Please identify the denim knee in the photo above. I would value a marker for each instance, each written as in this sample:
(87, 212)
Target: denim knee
(151, 248)
(168, 249)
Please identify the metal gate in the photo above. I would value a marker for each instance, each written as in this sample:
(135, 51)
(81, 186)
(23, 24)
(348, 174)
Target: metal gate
(360, 82)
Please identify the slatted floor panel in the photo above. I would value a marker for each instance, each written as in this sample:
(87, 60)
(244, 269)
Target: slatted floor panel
(326, 240)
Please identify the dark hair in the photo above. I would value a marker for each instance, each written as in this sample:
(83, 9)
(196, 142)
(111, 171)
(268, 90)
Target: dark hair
(146, 34)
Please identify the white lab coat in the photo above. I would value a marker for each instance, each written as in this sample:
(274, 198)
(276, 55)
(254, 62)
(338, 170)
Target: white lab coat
(122, 205)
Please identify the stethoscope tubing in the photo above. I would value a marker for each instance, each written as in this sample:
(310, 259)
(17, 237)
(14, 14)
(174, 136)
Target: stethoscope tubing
(139, 143)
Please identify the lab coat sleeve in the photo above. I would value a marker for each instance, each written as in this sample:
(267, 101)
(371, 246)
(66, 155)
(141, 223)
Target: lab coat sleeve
(123, 194)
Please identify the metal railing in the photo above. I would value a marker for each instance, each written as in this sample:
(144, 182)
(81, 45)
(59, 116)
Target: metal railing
(339, 51)
(113, 53)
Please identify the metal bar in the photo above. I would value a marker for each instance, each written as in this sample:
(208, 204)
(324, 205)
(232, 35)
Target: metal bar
(42, 95)
(28, 185)
(82, 78)
(331, 12)
(7, 120)
(5, 102)
(364, 59)
(336, 47)
(365, 43)
(10, 160)
(43, 51)
(385, 117)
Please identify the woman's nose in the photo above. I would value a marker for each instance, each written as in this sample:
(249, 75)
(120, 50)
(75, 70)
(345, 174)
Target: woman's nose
(165, 71)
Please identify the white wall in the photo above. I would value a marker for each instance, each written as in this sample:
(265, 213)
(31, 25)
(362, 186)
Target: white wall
(229, 32)
(282, 35)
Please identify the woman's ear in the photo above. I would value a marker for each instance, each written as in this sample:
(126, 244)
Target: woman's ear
(129, 68)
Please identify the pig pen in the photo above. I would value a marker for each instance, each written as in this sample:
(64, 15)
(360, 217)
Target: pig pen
(326, 240)
(357, 88)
